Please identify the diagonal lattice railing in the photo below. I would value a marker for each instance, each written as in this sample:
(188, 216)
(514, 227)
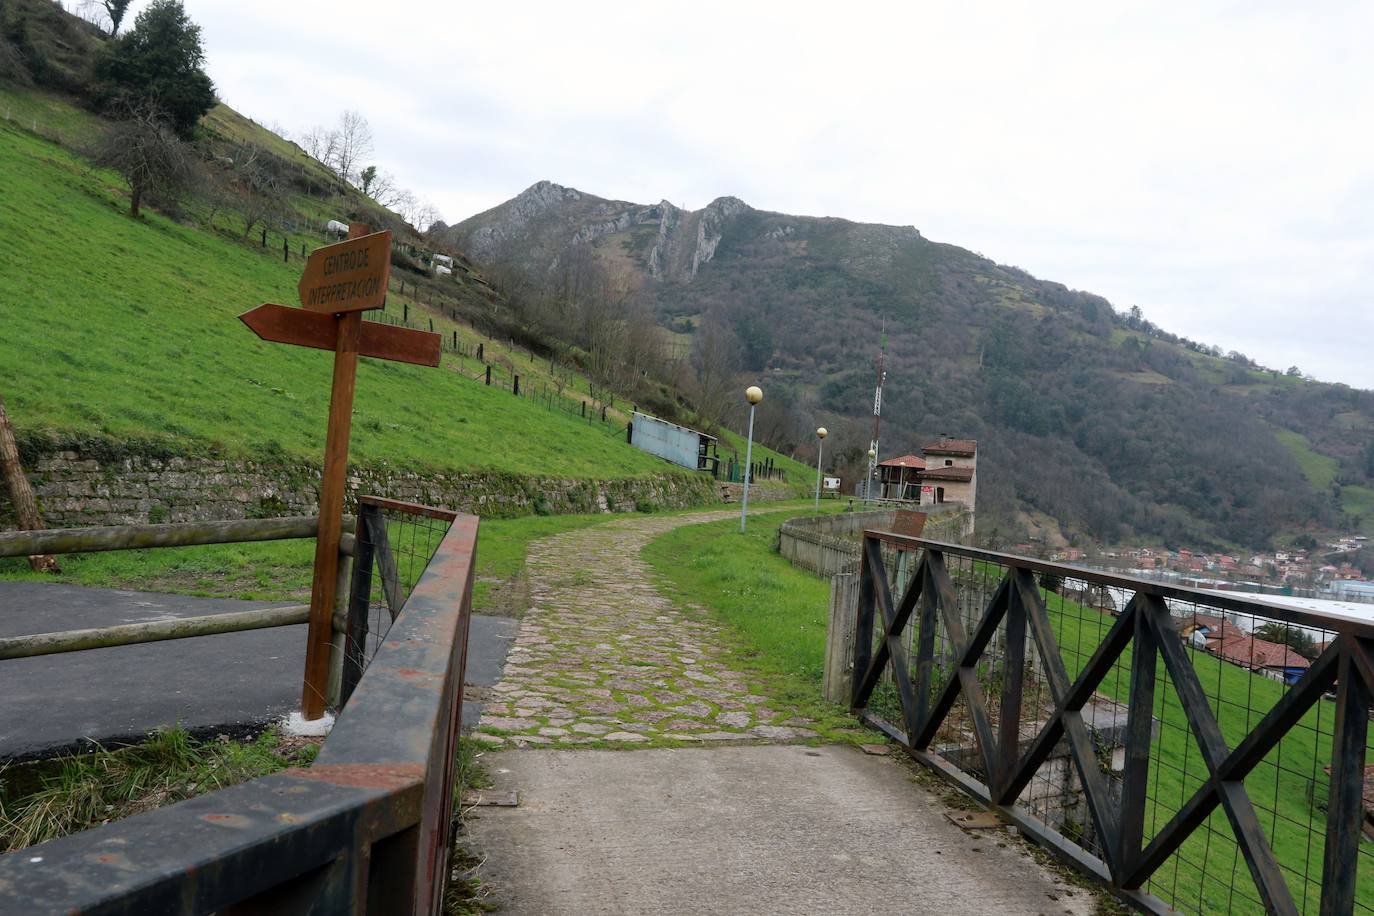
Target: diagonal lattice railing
(1167, 752)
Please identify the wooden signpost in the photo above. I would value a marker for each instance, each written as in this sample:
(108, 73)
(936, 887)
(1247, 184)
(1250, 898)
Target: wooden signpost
(340, 282)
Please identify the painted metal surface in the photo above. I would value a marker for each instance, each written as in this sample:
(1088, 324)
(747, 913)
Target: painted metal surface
(363, 830)
(669, 441)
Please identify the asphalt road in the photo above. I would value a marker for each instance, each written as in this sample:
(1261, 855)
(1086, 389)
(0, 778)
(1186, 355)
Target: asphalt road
(229, 681)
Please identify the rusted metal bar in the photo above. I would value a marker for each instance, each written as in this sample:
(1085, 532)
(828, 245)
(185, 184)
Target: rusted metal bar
(396, 505)
(153, 631)
(137, 537)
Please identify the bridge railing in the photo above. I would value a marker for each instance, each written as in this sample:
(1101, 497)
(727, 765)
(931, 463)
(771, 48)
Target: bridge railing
(1168, 741)
(365, 829)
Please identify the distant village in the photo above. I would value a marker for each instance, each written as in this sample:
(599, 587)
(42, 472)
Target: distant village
(1322, 572)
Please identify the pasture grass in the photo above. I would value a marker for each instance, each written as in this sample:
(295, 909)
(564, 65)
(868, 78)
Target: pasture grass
(127, 329)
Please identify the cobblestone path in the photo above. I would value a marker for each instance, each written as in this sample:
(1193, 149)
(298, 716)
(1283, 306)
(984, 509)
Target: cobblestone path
(603, 658)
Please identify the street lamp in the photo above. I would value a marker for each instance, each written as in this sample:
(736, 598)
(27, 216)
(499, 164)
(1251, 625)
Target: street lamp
(872, 472)
(753, 394)
(821, 433)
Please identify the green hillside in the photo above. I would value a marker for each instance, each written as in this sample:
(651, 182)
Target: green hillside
(126, 329)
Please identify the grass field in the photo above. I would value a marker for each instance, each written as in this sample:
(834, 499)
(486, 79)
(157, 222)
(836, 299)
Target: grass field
(1319, 470)
(778, 610)
(776, 613)
(779, 613)
(134, 336)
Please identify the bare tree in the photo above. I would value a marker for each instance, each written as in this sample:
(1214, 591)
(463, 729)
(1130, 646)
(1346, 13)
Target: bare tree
(407, 206)
(426, 217)
(322, 144)
(355, 144)
(383, 189)
(712, 370)
(142, 147)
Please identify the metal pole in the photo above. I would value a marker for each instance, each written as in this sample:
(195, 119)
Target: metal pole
(820, 447)
(748, 458)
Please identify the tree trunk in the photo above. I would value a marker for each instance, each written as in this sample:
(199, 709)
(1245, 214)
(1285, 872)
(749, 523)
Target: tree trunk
(21, 494)
(135, 199)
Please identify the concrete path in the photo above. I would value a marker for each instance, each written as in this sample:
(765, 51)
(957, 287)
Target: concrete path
(61, 702)
(761, 829)
(719, 827)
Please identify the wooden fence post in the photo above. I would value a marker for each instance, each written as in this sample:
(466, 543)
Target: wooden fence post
(21, 494)
(837, 683)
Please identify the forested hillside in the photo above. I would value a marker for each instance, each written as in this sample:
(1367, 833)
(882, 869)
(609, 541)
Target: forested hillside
(1089, 419)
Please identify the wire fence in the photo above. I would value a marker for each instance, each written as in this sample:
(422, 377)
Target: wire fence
(395, 542)
(1179, 740)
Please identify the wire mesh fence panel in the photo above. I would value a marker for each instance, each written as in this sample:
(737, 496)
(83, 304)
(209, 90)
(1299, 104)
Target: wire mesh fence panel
(394, 543)
(1194, 750)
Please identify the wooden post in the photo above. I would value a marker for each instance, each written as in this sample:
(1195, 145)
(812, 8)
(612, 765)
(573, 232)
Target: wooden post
(332, 482)
(838, 678)
(21, 494)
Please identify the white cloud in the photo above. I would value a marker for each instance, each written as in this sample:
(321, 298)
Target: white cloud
(1212, 163)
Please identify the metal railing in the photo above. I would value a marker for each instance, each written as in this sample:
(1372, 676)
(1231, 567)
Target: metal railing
(365, 829)
(1165, 740)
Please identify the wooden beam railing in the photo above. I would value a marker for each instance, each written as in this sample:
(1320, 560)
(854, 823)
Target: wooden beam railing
(1063, 712)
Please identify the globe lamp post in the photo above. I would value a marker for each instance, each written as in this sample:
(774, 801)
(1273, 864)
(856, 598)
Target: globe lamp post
(821, 433)
(753, 394)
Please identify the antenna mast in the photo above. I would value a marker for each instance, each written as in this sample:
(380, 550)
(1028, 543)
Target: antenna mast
(877, 409)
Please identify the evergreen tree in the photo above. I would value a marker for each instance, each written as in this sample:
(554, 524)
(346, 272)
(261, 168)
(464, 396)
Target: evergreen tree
(159, 62)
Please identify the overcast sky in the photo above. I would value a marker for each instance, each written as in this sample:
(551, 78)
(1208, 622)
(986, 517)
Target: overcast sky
(1212, 163)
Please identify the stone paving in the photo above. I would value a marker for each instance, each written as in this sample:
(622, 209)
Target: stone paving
(603, 658)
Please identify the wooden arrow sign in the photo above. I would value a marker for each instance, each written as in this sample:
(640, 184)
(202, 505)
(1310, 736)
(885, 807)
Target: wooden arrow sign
(280, 324)
(339, 283)
(350, 276)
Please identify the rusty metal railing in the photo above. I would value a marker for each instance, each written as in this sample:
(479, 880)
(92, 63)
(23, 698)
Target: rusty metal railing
(365, 829)
(1195, 751)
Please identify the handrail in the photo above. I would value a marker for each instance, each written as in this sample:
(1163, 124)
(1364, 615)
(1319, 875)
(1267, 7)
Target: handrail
(1202, 596)
(365, 829)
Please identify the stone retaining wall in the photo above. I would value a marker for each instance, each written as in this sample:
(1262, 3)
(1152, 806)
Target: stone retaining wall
(76, 488)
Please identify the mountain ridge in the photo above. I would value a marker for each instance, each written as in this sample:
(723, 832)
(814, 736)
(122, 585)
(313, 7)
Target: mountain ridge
(1089, 416)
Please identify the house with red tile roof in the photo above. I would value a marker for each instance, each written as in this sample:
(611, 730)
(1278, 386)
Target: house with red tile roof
(1274, 659)
(951, 471)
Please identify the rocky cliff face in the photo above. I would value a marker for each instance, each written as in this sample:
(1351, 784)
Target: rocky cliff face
(545, 218)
